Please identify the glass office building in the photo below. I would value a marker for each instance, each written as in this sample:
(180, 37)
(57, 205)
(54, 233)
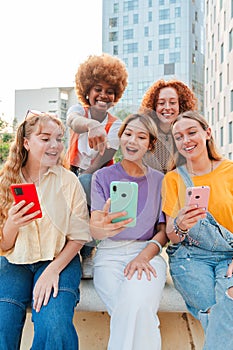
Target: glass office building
(156, 39)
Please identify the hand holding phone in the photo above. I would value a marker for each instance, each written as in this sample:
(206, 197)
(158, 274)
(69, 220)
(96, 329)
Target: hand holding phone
(27, 192)
(198, 195)
(124, 197)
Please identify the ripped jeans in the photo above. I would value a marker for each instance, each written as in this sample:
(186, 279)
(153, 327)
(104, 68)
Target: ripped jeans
(199, 274)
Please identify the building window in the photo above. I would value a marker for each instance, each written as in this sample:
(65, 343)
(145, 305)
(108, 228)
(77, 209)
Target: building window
(231, 100)
(172, 1)
(135, 18)
(207, 75)
(196, 45)
(130, 5)
(115, 8)
(150, 45)
(196, 16)
(168, 28)
(113, 36)
(177, 42)
(115, 49)
(164, 14)
(146, 31)
(177, 12)
(126, 61)
(130, 48)
(135, 61)
(230, 155)
(222, 53)
(212, 115)
(221, 136)
(161, 58)
(212, 42)
(169, 69)
(230, 132)
(193, 28)
(150, 16)
(220, 82)
(125, 20)
(164, 44)
(161, 2)
(218, 111)
(174, 57)
(128, 34)
(231, 38)
(146, 61)
(113, 22)
(149, 3)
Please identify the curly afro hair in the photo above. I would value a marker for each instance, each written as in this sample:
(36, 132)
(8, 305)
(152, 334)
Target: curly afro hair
(187, 99)
(95, 69)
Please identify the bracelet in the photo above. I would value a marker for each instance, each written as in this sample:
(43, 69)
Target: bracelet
(156, 243)
(178, 230)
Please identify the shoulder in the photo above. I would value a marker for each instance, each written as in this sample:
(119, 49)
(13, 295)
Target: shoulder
(78, 108)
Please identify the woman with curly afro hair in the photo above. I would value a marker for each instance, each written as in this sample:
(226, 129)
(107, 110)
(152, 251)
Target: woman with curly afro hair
(164, 101)
(99, 83)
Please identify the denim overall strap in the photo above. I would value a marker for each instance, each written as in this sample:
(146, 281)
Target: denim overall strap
(185, 175)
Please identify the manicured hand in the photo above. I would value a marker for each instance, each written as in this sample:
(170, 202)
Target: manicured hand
(139, 265)
(47, 282)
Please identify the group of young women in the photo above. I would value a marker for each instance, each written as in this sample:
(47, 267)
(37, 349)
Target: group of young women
(166, 147)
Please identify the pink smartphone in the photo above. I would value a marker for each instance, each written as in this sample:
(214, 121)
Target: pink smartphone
(27, 192)
(198, 195)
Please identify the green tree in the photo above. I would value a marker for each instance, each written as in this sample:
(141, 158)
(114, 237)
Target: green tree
(5, 140)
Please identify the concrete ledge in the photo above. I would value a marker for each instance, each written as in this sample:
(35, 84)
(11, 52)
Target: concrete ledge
(90, 301)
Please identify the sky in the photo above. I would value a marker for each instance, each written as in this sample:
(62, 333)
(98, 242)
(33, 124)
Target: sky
(42, 43)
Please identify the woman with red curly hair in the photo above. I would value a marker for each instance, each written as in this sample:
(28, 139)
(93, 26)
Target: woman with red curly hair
(164, 101)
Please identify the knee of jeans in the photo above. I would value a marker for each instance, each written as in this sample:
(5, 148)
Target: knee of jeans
(13, 302)
(229, 293)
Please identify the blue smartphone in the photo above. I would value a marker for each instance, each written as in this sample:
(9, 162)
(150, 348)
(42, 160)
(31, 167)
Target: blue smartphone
(124, 197)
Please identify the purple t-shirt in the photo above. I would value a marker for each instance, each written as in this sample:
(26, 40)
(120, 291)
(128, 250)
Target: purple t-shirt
(149, 199)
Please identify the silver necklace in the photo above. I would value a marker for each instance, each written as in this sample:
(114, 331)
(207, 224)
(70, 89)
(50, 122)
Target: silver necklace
(29, 177)
(211, 169)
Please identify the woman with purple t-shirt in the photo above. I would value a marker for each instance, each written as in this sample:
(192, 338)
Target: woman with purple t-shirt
(129, 273)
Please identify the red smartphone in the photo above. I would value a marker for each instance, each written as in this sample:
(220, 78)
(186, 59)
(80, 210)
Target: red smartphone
(27, 192)
(198, 195)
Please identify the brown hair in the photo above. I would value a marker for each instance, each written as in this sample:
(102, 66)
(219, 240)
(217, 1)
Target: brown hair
(95, 69)
(176, 158)
(147, 122)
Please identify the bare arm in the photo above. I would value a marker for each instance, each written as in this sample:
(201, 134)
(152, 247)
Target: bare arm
(142, 261)
(16, 218)
(97, 136)
(99, 161)
(49, 279)
(186, 219)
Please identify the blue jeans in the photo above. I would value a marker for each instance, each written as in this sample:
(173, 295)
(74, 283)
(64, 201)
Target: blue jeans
(53, 325)
(199, 275)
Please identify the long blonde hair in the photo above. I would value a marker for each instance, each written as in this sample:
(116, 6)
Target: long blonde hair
(17, 158)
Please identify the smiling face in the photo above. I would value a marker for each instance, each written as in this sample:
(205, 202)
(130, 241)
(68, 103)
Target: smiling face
(134, 141)
(167, 107)
(190, 138)
(102, 96)
(45, 147)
